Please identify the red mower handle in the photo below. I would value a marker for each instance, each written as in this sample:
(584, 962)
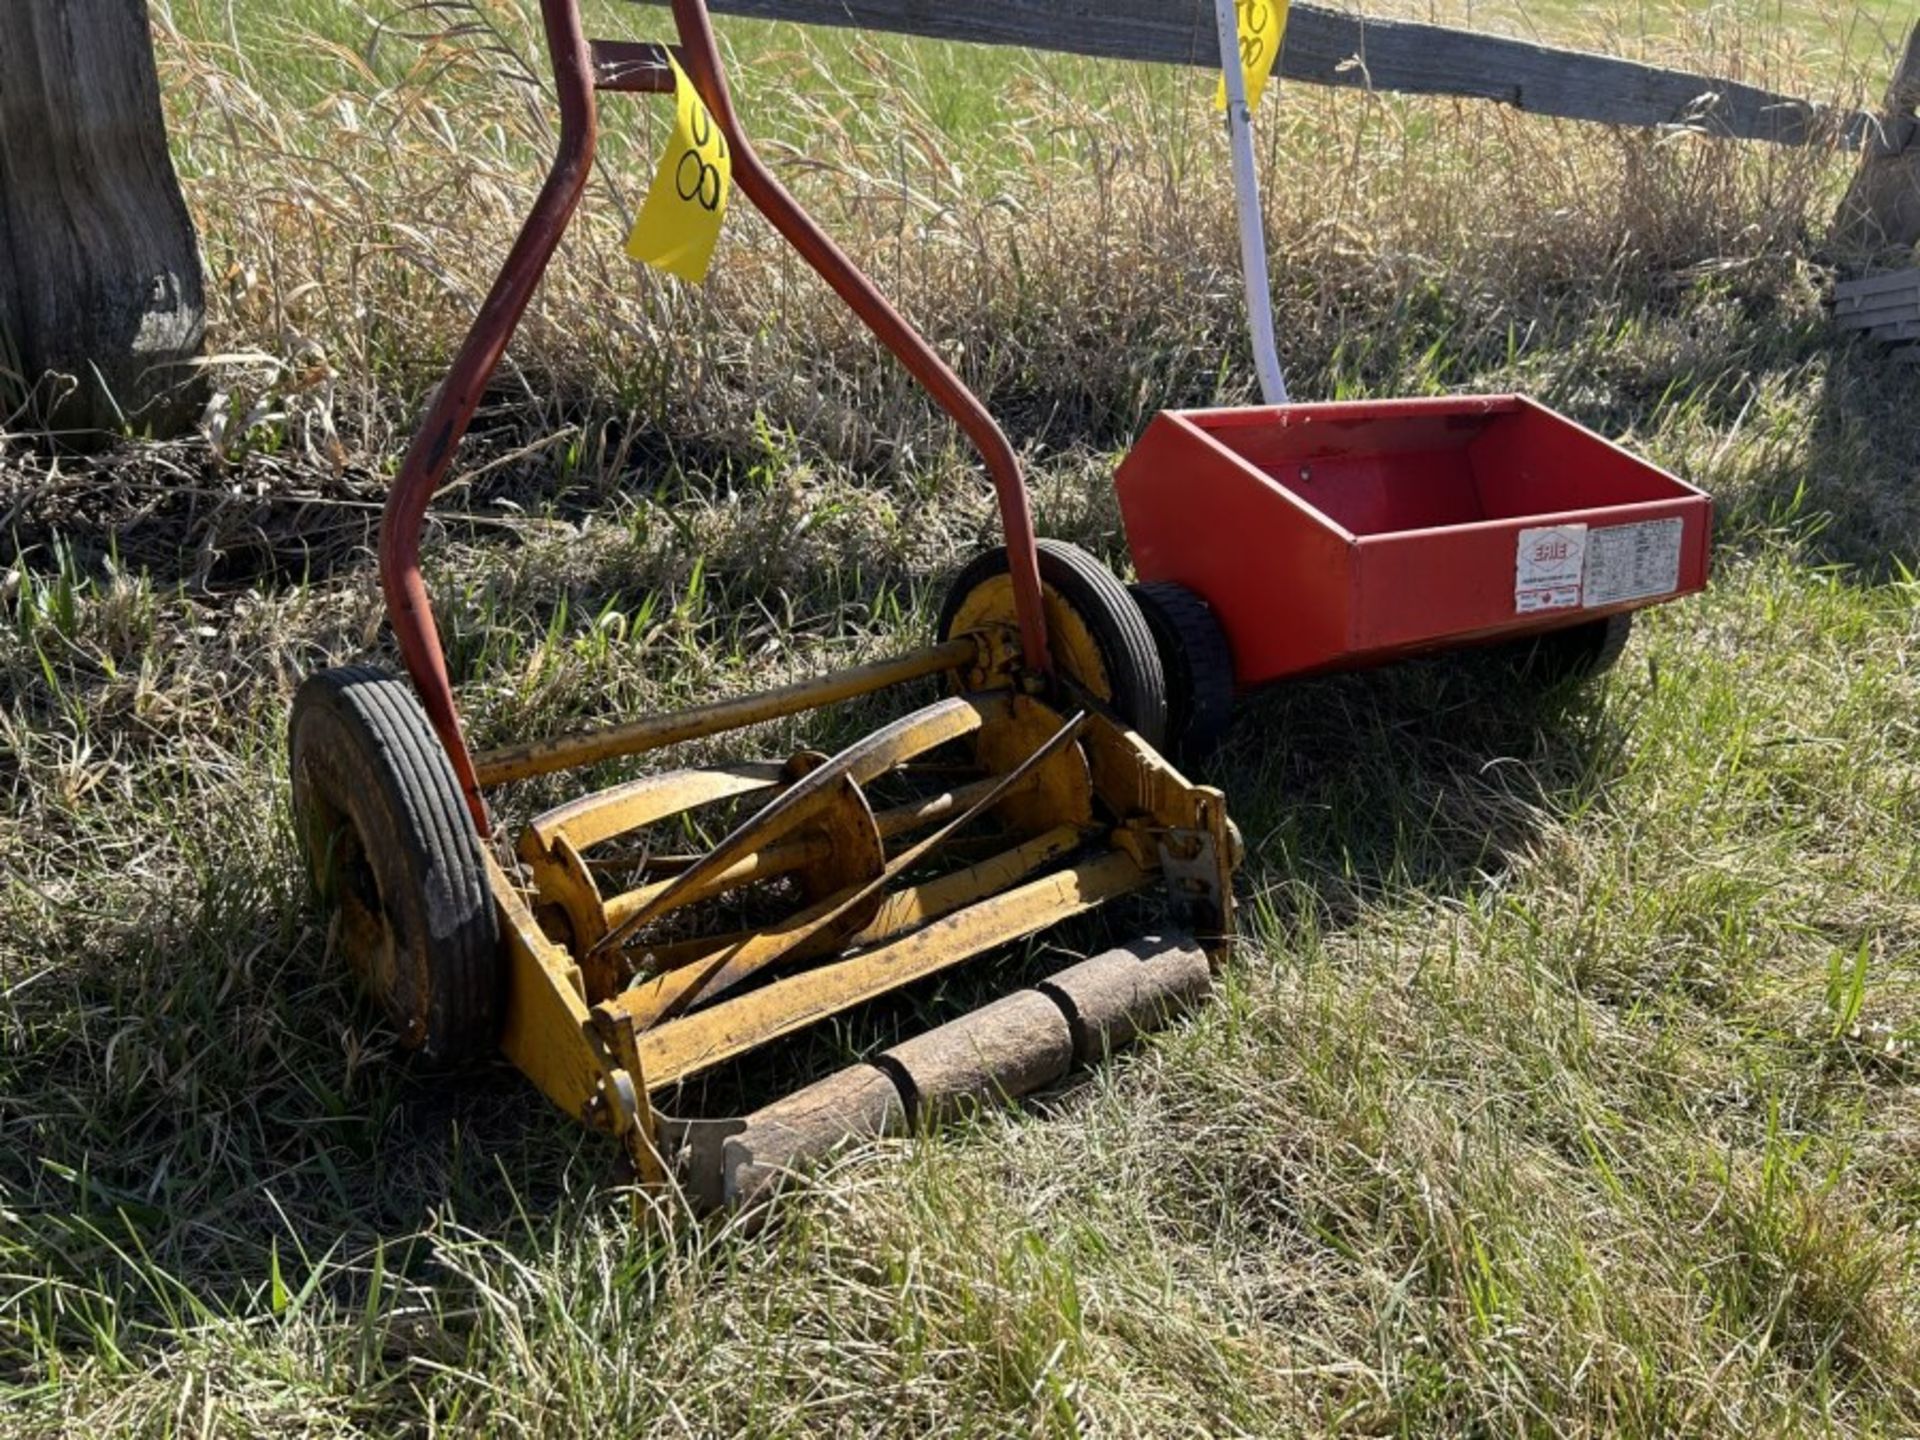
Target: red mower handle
(579, 68)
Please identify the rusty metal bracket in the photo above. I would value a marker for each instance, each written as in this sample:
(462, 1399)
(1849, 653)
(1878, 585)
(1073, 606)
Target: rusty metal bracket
(1191, 862)
(627, 1095)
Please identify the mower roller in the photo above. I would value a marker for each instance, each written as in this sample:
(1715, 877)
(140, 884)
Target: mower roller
(616, 950)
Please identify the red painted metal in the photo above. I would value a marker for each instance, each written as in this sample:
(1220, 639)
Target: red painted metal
(425, 463)
(702, 59)
(1330, 537)
(579, 68)
(635, 67)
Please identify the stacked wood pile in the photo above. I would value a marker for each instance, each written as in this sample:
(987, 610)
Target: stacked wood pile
(1886, 307)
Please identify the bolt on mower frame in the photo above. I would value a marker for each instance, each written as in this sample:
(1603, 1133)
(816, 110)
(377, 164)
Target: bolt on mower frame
(1055, 693)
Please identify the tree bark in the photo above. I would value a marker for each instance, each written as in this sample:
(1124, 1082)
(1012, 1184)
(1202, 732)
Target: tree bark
(102, 309)
(1882, 208)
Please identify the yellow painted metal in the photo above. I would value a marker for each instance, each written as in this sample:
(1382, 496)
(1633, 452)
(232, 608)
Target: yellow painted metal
(848, 910)
(1158, 805)
(855, 853)
(585, 1065)
(767, 864)
(1133, 779)
(561, 878)
(1059, 791)
(634, 1119)
(913, 932)
(988, 609)
(550, 847)
(840, 848)
(694, 1042)
(1094, 811)
(564, 752)
(807, 799)
(805, 850)
(713, 965)
(904, 819)
(599, 817)
(545, 1029)
(909, 908)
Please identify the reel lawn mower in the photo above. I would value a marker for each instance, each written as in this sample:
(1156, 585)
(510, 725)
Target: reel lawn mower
(608, 961)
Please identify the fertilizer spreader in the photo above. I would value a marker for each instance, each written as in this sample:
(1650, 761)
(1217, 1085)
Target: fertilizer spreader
(1290, 539)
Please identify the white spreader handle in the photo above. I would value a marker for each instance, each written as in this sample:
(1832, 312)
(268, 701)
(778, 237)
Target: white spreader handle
(1246, 194)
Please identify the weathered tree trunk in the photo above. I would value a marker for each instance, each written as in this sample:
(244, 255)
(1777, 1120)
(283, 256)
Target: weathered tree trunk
(1882, 208)
(99, 272)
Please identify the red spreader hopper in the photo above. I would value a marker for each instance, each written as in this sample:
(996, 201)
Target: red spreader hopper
(1336, 536)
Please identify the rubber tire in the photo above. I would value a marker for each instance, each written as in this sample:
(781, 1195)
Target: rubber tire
(391, 848)
(1120, 632)
(1198, 663)
(1579, 652)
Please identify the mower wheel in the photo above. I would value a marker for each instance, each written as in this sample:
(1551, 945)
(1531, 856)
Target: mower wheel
(1198, 663)
(392, 851)
(1095, 629)
(1579, 652)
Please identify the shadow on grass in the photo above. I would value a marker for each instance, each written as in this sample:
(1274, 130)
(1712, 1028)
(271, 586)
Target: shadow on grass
(199, 1105)
(1427, 776)
(197, 1113)
(1858, 490)
(191, 1108)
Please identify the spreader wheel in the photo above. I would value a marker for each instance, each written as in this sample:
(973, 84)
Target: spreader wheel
(1579, 652)
(1095, 629)
(1198, 663)
(391, 848)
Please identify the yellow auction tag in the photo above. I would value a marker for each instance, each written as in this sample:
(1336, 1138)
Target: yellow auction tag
(680, 221)
(1262, 23)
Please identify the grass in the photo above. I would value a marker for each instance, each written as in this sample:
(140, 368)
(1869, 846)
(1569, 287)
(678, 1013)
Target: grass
(1565, 1082)
(1822, 38)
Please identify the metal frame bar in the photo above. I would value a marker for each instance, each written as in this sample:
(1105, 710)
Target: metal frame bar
(808, 936)
(815, 793)
(786, 856)
(701, 969)
(704, 1038)
(577, 68)
(598, 1054)
(654, 732)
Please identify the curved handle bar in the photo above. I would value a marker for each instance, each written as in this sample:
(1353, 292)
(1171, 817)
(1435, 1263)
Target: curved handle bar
(425, 464)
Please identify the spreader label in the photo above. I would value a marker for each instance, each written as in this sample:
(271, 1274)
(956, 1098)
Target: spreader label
(1632, 562)
(1547, 568)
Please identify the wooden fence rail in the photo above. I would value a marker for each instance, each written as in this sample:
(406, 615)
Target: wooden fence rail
(1330, 47)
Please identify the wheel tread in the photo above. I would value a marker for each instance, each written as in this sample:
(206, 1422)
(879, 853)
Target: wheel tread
(443, 854)
(1198, 662)
(1091, 590)
(1583, 651)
